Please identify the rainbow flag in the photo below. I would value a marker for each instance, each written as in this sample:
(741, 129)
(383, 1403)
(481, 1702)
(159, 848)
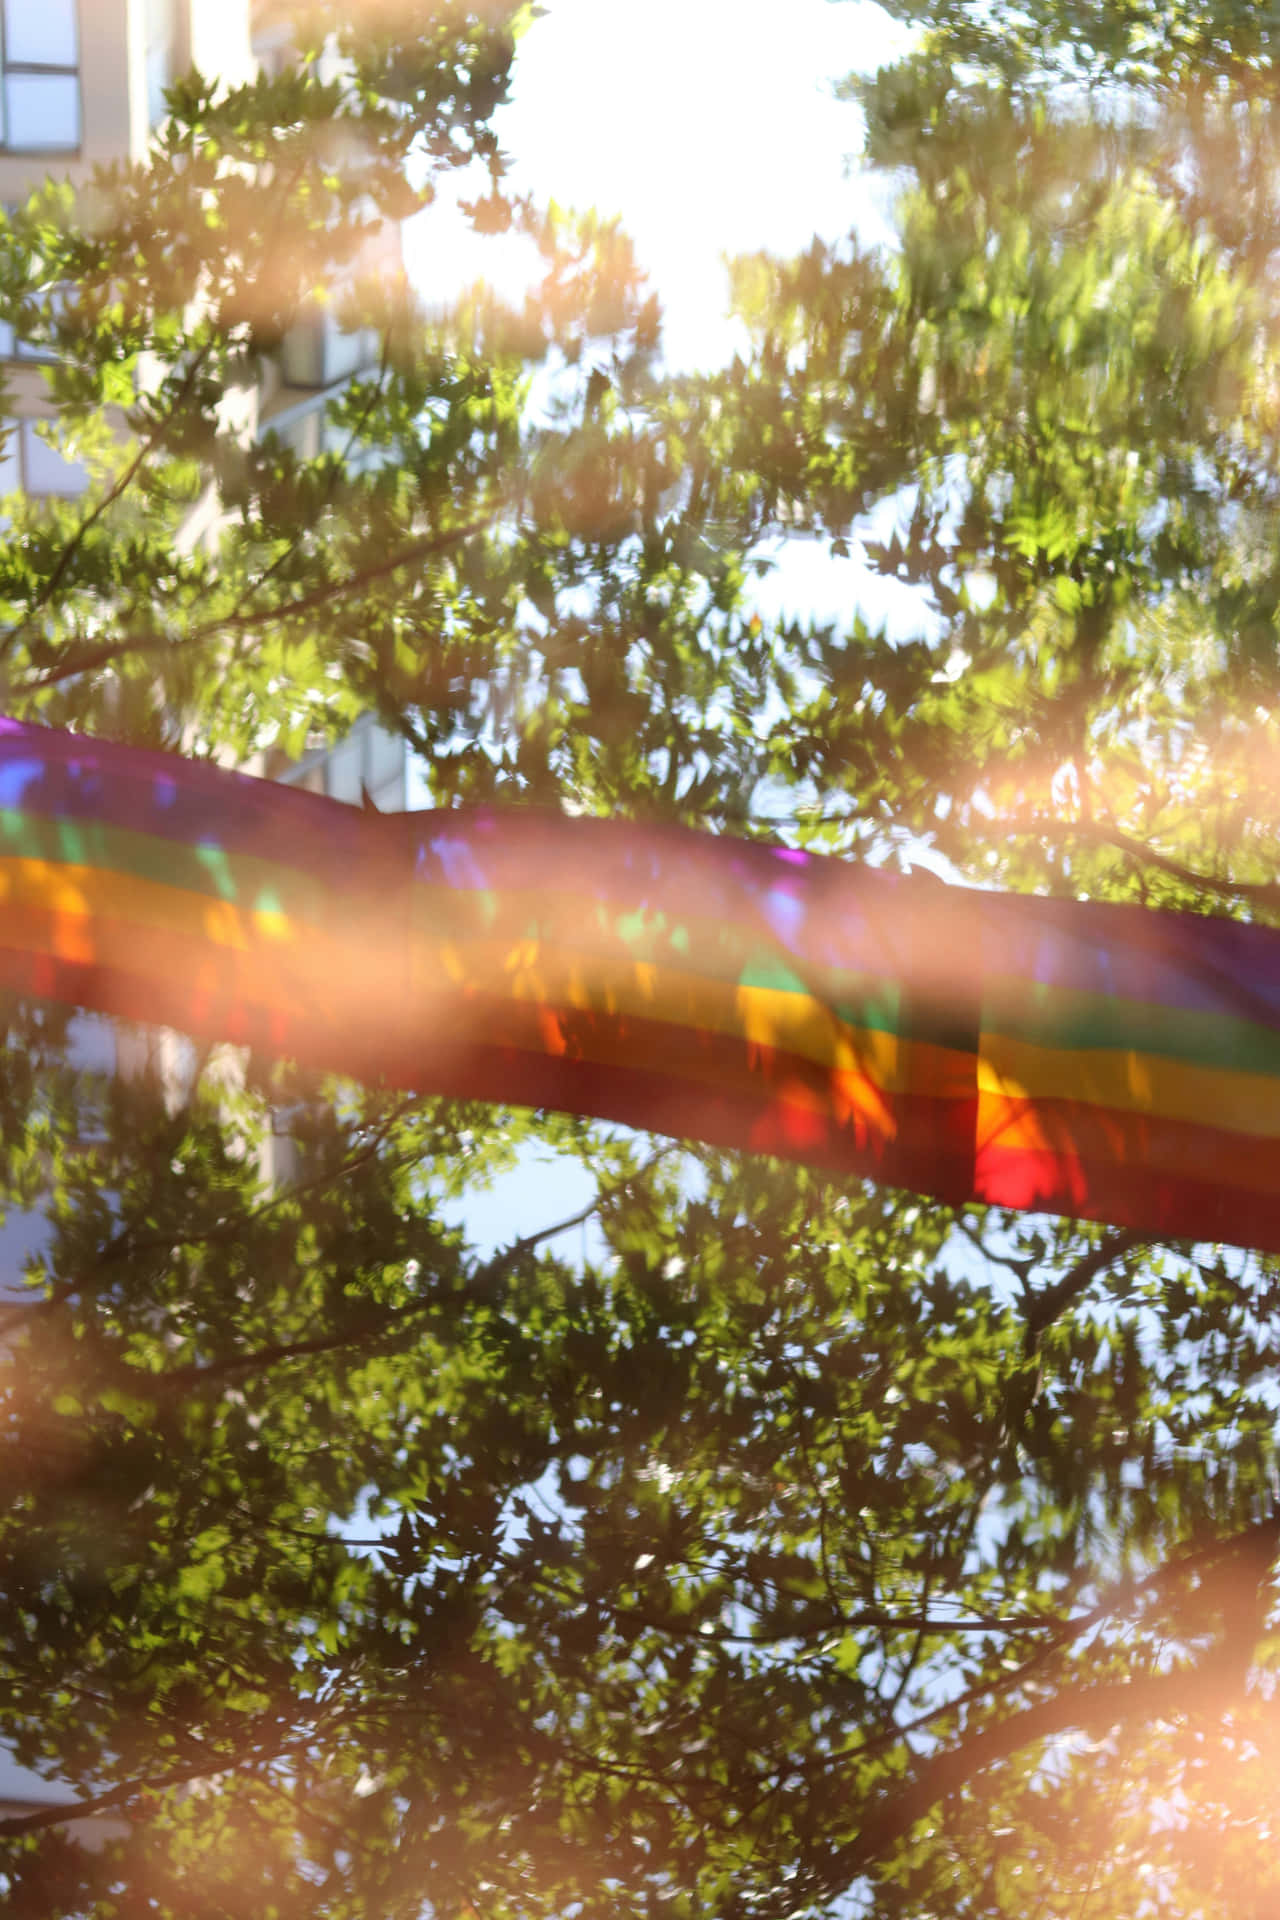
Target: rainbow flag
(1100, 1061)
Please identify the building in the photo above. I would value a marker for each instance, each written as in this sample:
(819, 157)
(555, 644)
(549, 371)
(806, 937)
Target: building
(82, 84)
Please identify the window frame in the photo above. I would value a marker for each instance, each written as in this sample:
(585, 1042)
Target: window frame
(14, 430)
(313, 771)
(173, 44)
(35, 69)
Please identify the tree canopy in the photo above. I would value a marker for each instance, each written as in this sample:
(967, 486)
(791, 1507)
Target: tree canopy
(796, 1547)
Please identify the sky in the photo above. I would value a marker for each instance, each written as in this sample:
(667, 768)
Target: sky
(711, 130)
(709, 126)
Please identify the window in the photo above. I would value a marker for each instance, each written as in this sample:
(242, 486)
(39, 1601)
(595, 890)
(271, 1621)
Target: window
(163, 55)
(30, 464)
(369, 761)
(14, 347)
(308, 432)
(317, 353)
(272, 44)
(40, 108)
(345, 768)
(302, 432)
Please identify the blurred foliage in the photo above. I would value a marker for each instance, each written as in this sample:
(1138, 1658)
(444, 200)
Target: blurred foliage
(798, 1548)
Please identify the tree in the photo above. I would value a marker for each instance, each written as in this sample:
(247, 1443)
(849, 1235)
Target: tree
(804, 1548)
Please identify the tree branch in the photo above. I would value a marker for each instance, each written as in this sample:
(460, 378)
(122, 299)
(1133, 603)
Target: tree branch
(916, 1623)
(122, 481)
(1264, 893)
(1246, 1544)
(1090, 1710)
(199, 1375)
(254, 587)
(93, 658)
(222, 1232)
(1044, 1307)
(60, 1816)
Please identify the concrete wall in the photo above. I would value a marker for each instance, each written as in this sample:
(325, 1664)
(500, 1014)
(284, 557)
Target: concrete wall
(114, 116)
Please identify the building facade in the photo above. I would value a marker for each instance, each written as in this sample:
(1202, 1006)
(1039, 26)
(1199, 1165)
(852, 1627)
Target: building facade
(82, 84)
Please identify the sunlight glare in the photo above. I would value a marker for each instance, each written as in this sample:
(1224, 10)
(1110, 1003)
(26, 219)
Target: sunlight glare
(709, 126)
